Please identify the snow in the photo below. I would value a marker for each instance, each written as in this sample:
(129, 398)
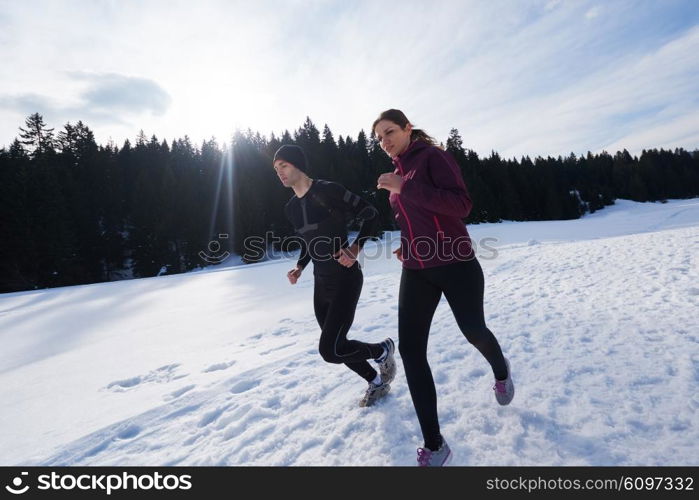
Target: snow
(598, 317)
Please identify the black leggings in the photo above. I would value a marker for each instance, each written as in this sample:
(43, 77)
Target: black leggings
(420, 292)
(335, 299)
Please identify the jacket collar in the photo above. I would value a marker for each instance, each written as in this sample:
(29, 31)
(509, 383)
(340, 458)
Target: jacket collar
(414, 146)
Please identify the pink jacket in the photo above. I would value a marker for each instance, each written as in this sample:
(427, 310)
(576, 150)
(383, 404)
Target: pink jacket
(429, 209)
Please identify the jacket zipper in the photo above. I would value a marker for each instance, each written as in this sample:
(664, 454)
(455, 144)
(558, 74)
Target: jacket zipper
(405, 214)
(436, 223)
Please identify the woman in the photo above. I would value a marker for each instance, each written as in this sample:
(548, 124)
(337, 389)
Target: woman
(429, 199)
(318, 212)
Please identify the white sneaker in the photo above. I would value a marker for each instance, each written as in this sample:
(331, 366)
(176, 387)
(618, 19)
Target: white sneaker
(374, 393)
(387, 362)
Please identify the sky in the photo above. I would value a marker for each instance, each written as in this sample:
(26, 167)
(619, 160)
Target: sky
(597, 317)
(543, 77)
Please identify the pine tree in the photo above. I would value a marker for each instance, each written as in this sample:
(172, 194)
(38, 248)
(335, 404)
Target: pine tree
(37, 136)
(72, 212)
(18, 256)
(329, 167)
(78, 141)
(455, 144)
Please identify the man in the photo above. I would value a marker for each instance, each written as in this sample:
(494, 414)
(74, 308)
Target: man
(318, 211)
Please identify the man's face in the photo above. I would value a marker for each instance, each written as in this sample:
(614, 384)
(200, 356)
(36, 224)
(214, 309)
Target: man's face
(287, 173)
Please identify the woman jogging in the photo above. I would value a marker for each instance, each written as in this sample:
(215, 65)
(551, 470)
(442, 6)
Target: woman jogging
(429, 199)
(318, 211)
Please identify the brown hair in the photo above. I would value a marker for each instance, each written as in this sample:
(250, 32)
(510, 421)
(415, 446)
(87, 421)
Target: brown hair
(398, 117)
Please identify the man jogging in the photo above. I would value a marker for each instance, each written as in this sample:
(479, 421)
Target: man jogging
(318, 211)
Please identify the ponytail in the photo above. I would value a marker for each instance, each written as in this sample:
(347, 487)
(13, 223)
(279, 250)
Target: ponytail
(420, 135)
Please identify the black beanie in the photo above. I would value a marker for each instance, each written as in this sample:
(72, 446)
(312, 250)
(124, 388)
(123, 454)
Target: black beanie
(293, 154)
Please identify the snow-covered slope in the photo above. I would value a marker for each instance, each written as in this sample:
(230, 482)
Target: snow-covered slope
(598, 317)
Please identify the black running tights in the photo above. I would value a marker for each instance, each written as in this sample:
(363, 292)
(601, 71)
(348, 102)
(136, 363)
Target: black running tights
(335, 299)
(420, 293)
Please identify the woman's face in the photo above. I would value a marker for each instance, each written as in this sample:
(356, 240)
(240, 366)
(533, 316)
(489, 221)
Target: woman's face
(393, 139)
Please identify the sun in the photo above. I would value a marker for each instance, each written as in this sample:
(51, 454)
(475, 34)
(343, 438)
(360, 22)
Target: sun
(219, 106)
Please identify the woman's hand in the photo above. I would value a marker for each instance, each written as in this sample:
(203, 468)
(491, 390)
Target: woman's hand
(391, 182)
(348, 256)
(294, 275)
(399, 253)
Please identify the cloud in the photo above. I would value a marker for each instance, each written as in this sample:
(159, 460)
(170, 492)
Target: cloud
(552, 4)
(112, 92)
(26, 103)
(541, 77)
(108, 99)
(637, 103)
(592, 13)
(681, 131)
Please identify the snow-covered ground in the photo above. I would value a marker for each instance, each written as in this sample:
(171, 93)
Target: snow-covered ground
(598, 316)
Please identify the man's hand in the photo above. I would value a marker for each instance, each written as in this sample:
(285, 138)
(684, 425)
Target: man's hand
(294, 275)
(399, 253)
(348, 256)
(391, 182)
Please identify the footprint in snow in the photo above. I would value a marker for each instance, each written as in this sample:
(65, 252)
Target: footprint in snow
(210, 417)
(244, 386)
(129, 432)
(268, 351)
(161, 375)
(179, 392)
(283, 331)
(218, 366)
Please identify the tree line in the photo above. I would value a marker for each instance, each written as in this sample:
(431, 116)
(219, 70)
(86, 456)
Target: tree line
(75, 212)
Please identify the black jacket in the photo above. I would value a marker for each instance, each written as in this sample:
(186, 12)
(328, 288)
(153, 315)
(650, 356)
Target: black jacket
(320, 218)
